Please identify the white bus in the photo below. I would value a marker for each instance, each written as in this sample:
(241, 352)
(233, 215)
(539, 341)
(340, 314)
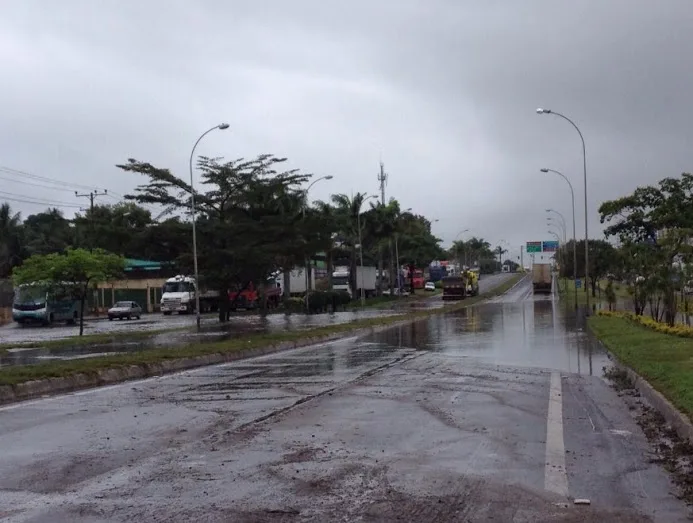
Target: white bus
(35, 303)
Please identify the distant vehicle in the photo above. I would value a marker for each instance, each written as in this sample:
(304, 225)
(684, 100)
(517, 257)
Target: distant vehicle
(34, 303)
(297, 281)
(178, 295)
(454, 287)
(418, 279)
(472, 281)
(366, 277)
(251, 298)
(437, 273)
(430, 286)
(398, 292)
(125, 310)
(541, 278)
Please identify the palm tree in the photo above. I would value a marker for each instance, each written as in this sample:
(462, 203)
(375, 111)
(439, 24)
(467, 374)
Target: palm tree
(383, 225)
(347, 211)
(10, 239)
(328, 218)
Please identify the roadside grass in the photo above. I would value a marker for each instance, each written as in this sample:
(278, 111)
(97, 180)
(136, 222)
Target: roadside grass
(664, 360)
(54, 369)
(91, 339)
(566, 290)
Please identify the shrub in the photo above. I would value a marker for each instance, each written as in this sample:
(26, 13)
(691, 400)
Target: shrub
(439, 284)
(682, 331)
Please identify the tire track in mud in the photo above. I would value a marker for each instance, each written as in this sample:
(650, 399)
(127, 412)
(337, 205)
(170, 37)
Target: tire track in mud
(214, 438)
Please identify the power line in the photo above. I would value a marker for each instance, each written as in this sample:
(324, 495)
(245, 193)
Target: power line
(36, 201)
(45, 179)
(53, 188)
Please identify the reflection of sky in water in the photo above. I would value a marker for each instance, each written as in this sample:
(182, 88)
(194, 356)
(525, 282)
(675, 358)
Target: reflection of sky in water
(535, 333)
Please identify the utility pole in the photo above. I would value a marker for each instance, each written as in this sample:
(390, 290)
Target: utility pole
(92, 195)
(382, 179)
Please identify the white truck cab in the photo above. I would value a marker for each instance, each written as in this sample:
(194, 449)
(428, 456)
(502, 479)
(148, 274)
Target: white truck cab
(178, 295)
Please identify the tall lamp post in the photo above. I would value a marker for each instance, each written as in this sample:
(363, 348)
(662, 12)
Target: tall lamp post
(221, 126)
(303, 216)
(584, 170)
(397, 266)
(465, 249)
(358, 224)
(572, 196)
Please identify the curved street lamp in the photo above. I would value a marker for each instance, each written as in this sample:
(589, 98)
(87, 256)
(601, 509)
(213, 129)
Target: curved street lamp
(584, 170)
(303, 216)
(572, 197)
(221, 127)
(358, 224)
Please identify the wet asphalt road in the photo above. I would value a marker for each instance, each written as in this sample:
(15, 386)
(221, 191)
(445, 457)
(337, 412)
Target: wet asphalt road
(496, 413)
(15, 333)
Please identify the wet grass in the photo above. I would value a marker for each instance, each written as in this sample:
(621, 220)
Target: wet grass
(665, 361)
(90, 339)
(54, 369)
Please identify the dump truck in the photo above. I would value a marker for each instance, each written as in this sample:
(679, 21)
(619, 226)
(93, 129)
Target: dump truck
(541, 278)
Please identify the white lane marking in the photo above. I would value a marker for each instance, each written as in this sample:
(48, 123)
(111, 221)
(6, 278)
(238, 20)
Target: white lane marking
(555, 476)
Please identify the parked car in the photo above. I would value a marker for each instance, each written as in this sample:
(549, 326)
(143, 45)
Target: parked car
(430, 286)
(125, 309)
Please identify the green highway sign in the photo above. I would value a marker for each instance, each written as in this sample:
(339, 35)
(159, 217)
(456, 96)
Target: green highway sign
(533, 246)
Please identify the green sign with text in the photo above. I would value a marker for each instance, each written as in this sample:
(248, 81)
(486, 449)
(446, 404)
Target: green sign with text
(533, 246)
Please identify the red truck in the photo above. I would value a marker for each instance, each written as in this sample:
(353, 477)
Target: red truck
(250, 297)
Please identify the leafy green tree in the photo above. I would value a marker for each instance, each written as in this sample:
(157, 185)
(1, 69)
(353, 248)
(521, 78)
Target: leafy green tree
(249, 221)
(10, 240)
(47, 232)
(603, 261)
(71, 272)
(122, 228)
(418, 247)
(658, 222)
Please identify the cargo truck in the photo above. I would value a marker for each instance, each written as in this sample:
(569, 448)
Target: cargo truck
(541, 278)
(460, 286)
(366, 278)
(178, 295)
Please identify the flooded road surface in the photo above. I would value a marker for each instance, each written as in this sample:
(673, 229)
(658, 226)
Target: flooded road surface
(492, 414)
(212, 330)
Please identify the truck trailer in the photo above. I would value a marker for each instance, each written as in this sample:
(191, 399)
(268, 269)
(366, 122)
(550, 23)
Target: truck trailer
(366, 278)
(541, 278)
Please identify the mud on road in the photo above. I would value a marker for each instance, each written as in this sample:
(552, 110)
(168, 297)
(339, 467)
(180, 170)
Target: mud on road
(443, 420)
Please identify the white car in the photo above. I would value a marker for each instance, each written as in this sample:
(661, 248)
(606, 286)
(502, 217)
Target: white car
(125, 310)
(430, 286)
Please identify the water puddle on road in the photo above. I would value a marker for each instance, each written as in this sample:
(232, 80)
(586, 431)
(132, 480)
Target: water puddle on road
(238, 325)
(534, 332)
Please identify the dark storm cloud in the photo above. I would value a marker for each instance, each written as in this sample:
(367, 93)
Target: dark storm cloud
(444, 91)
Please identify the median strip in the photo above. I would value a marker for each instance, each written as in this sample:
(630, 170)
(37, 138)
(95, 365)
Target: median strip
(24, 382)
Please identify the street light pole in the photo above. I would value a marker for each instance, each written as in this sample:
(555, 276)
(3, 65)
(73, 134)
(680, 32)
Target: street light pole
(397, 266)
(584, 170)
(303, 217)
(572, 197)
(358, 224)
(561, 226)
(465, 248)
(221, 126)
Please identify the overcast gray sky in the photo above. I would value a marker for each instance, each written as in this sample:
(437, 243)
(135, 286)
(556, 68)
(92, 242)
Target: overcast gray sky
(445, 91)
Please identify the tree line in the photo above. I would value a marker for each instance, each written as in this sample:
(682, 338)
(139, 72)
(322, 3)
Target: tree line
(651, 233)
(253, 219)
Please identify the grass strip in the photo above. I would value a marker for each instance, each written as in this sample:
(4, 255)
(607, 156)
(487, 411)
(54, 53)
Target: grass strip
(664, 360)
(55, 369)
